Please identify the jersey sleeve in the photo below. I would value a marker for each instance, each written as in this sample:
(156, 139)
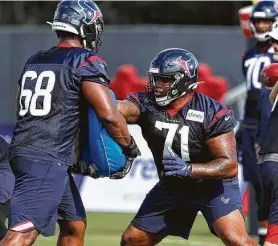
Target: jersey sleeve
(222, 122)
(94, 69)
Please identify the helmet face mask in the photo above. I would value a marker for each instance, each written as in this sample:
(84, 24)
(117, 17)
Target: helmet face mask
(163, 89)
(262, 34)
(90, 35)
(82, 18)
(172, 73)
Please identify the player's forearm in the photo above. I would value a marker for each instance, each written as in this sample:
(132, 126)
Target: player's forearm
(216, 169)
(117, 128)
(273, 93)
(129, 111)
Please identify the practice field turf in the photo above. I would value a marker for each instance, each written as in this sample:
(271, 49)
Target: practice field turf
(105, 229)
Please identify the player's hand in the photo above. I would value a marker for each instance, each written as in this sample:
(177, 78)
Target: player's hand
(82, 169)
(125, 170)
(174, 166)
(132, 150)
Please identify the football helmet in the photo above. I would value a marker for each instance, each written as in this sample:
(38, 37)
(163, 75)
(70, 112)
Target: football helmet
(80, 17)
(179, 67)
(264, 10)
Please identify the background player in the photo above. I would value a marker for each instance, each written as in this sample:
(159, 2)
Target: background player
(263, 20)
(264, 104)
(6, 185)
(268, 158)
(46, 137)
(192, 140)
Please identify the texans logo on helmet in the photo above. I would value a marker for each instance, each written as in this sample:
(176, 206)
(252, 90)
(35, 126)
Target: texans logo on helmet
(90, 11)
(186, 65)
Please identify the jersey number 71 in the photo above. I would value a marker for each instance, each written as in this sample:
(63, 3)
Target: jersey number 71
(172, 129)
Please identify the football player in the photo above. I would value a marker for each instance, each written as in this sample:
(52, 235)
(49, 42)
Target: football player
(46, 137)
(264, 104)
(268, 158)
(6, 185)
(263, 20)
(192, 140)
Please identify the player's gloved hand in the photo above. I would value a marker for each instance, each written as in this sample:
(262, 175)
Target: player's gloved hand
(174, 166)
(81, 168)
(131, 152)
(125, 170)
(132, 149)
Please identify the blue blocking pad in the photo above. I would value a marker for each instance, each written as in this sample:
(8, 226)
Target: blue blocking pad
(100, 149)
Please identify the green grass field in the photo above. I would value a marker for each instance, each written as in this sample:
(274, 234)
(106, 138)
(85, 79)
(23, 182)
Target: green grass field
(105, 229)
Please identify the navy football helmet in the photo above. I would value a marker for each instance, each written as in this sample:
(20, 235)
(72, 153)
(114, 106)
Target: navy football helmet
(80, 17)
(180, 67)
(264, 10)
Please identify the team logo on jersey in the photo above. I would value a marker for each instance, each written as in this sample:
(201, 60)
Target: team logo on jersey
(195, 115)
(90, 11)
(225, 200)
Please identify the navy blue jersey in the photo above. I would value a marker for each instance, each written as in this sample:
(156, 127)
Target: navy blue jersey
(269, 142)
(265, 111)
(186, 131)
(48, 121)
(4, 155)
(252, 63)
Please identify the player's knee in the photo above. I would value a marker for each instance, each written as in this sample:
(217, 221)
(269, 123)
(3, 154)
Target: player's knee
(130, 237)
(30, 239)
(239, 240)
(73, 228)
(14, 238)
(134, 237)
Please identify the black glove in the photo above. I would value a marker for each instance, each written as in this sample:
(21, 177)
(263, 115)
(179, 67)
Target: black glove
(132, 149)
(81, 168)
(92, 171)
(131, 152)
(124, 171)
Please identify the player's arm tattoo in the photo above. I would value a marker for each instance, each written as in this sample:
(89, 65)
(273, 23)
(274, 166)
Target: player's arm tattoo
(224, 163)
(273, 93)
(129, 111)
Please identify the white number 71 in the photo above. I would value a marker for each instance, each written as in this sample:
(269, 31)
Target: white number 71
(172, 129)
